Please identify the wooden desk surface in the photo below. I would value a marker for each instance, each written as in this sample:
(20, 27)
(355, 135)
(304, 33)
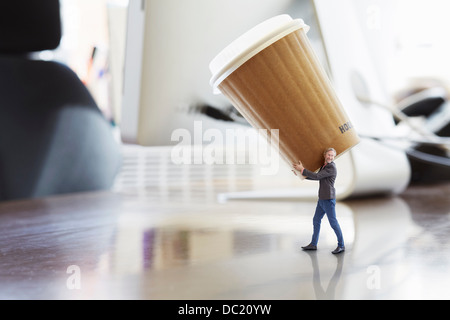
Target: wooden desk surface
(168, 245)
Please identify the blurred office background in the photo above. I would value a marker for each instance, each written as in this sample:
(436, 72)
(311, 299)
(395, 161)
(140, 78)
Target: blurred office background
(411, 53)
(160, 230)
(146, 64)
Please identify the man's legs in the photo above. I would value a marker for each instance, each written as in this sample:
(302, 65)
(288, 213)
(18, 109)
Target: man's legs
(318, 215)
(329, 208)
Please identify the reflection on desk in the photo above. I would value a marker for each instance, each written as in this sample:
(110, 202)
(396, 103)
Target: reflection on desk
(163, 245)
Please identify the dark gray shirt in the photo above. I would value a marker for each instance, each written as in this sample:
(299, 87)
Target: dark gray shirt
(326, 176)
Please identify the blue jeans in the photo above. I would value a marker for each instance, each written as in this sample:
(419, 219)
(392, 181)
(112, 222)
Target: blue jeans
(328, 207)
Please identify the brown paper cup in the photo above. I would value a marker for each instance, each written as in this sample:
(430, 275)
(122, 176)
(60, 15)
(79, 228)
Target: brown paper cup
(273, 78)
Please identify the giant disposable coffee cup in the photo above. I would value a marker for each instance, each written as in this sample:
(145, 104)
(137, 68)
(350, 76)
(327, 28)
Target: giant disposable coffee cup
(272, 76)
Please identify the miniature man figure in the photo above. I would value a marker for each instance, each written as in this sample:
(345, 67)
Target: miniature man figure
(327, 198)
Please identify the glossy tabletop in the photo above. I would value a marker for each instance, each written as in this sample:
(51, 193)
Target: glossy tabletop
(180, 242)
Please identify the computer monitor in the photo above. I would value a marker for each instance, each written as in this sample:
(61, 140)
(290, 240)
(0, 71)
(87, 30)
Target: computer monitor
(166, 73)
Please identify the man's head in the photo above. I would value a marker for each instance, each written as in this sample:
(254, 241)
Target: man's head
(329, 155)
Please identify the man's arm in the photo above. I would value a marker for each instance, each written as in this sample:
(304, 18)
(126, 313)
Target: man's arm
(328, 171)
(298, 166)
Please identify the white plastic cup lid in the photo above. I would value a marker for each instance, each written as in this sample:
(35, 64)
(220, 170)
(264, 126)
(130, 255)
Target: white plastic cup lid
(249, 44)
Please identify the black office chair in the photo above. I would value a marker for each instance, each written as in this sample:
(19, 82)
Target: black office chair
(53, 137)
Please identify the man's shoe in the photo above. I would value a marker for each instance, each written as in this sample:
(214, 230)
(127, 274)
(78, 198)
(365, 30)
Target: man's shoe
(338, 250)
(310, 247)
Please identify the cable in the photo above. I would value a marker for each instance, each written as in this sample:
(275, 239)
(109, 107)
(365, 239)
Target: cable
(428, 136)
(443, 142)
(403, 117)
(229, 115)
(429, 158)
